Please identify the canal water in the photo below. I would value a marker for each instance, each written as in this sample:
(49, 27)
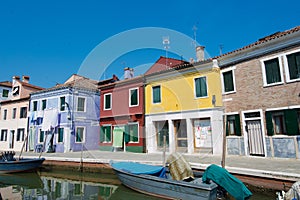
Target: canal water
(76, 185)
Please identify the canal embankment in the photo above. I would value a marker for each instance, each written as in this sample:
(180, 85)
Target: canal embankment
(271, 173)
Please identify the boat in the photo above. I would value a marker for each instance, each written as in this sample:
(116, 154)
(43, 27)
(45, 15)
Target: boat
(9, 164)
(156, 181)
(179, 181)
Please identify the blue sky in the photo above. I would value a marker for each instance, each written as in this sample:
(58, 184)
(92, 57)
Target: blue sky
(50, 40)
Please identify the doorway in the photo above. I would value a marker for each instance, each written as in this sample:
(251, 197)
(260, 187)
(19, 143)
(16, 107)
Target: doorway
(180, 131)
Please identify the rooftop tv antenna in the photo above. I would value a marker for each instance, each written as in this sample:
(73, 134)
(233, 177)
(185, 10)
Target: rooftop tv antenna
(166, 43)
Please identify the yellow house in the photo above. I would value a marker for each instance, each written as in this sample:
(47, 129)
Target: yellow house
(184, 104)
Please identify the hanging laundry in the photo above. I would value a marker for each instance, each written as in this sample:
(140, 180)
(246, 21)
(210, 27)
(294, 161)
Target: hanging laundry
(50, 119)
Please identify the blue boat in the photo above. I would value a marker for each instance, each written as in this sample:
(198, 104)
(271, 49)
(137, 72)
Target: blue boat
(156, 181)
(9, 164)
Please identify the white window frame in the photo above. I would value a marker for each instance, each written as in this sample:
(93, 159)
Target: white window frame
(153, 93)
(42, 104)
(195, 93)
(4, 131)
(83, 135)
(130, 105)
(286, 66)
(111, 132)
(22, 135)
(58, 135)
(233, 77)
(84, 107)
(104, 101)
(263, 69)
(138, 133)
(39, 136)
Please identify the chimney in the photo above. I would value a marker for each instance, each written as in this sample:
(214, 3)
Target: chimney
(15, 78)
(128, 73)
(200, 53)
(25, 79)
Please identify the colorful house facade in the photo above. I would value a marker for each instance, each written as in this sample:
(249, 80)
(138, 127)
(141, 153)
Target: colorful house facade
(65, 118)
(261, 96)
(183, 109)
(14, 113)
(122, 115)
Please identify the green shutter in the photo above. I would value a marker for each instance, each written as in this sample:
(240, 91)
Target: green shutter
(291, 121)
(228, 81)
(269, 123)
(102, 134)
(156, 94)
(126, 134)
(238, 125)
(227, 125)
(133, 97)
(135, 132)
(294, 65)
(272, 71)
(201, 87)
(108, 133)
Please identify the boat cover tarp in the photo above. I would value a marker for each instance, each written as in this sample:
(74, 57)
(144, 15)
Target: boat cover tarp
(139, 168)
(230, 183)
(179, 168)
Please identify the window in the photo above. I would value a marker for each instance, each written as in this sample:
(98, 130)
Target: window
(23, 112)
(60, 135)
(20, 134)
(4, 114)
(14, 113)
(62, 103)
(44, 104)
(293, 62)
(34, 106)
(132, 133)
(79, 134)
(16, 90)
(162, 129)
(228, 81)
(156, 94)
(107, 102)
(3, 136)
(200, 87)
(133, 97)
(283, 122)
(41, 136)
(233, 126)
(105, 133)
(5, 93)
(81, 104)
(272, 72)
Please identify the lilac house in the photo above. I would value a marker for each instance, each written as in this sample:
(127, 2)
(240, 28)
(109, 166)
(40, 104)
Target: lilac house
(65, 118)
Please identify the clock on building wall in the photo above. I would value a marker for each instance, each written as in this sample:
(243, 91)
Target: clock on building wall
(16, 90)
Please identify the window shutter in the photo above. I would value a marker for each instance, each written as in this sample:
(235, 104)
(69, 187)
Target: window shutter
(238, 125)
(227, 126)
(269, 124)
(102, 134)
(108, 133)
(272, 71)
(228, 81)
(133, 97)
(135, 131)
(126, 134)
(291, 121)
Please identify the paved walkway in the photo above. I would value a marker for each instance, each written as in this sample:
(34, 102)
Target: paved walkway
(287, 169)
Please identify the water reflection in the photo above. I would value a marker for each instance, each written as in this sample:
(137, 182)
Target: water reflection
(74, 185)
(64, 185)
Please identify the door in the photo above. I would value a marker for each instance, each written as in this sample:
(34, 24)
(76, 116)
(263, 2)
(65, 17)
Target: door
(255, 138)
(180, 132)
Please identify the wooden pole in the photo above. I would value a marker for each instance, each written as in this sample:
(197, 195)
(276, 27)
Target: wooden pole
(224, 142)
(164, 152)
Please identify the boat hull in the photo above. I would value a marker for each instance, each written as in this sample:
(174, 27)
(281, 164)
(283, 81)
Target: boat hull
(167, 188)
(20, 165)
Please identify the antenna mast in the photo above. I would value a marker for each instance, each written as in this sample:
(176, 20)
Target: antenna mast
(166, 43)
